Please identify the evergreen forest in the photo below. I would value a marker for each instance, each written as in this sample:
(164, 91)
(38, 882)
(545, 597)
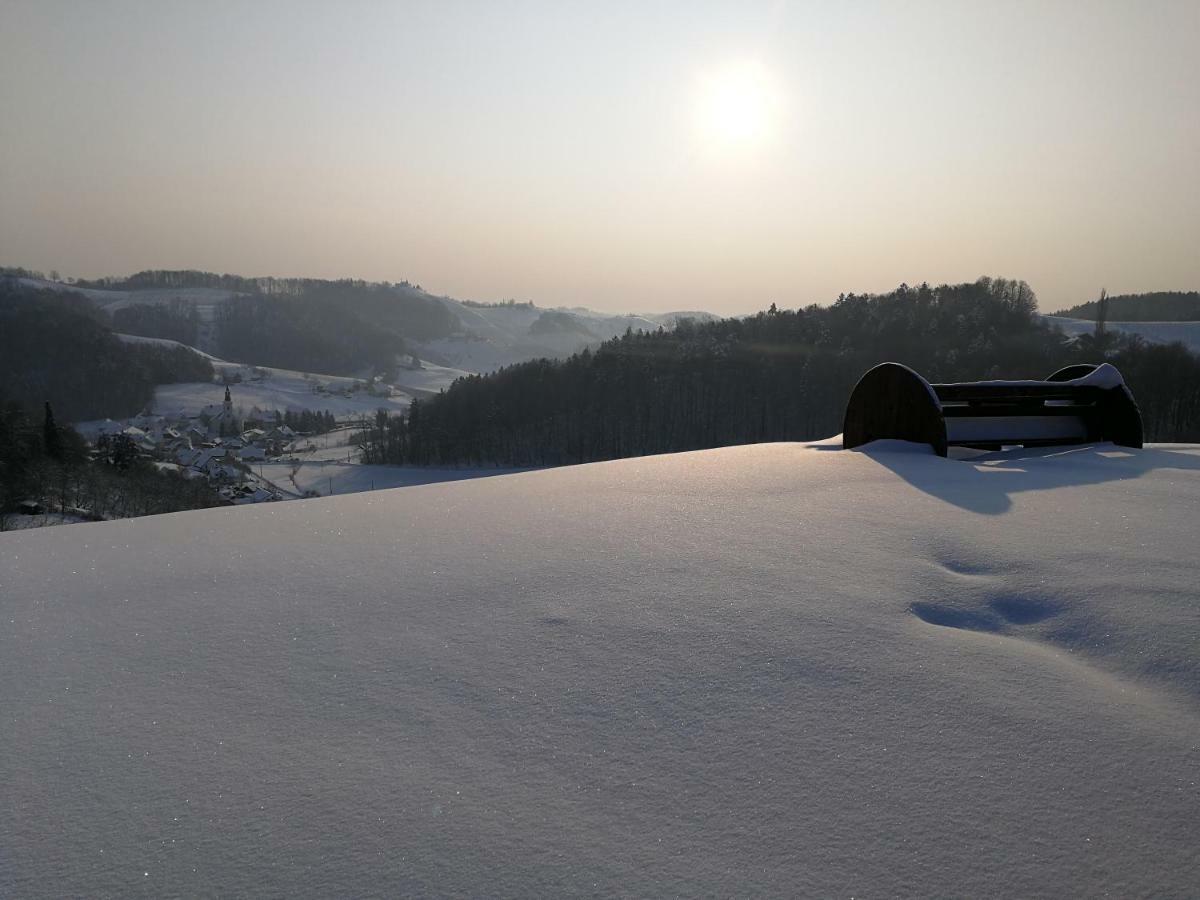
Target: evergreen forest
(780, 375)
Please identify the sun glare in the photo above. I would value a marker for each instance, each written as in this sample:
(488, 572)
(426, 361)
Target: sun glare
(737, 107)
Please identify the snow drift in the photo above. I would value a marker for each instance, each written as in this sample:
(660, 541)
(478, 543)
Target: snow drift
(775, 669)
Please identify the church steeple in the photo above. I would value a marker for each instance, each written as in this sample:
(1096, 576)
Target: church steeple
(228, 402)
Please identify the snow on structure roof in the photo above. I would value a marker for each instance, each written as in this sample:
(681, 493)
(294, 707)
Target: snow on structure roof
(767, 670)
(1105, 376)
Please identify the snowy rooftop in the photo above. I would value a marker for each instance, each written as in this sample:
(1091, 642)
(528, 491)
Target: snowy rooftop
(775, 669)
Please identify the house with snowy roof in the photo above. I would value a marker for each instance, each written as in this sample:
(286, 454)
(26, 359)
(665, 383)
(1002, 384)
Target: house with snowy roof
(203, 459)
(252, 453)
(148, 422)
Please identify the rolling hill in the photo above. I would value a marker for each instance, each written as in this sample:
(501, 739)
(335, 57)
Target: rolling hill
(477, 337)
(494, 336)
(778, 669)
(1156, 306)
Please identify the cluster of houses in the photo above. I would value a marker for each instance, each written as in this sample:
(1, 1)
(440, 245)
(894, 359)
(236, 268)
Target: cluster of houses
(214, 445)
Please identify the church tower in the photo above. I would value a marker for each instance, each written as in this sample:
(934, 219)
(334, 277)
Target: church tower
(227, 412)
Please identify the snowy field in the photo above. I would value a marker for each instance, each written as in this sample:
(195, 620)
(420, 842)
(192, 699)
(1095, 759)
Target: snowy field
(269, 389)
(1186, 333)
(329, 464)
(284, 389)
(278, 389)
(770, 670)
(429, 379)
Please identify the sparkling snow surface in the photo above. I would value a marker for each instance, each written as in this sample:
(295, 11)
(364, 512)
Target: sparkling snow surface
(778, 669)
(323, 476)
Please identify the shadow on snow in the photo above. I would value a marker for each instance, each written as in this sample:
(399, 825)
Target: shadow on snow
(985, 482)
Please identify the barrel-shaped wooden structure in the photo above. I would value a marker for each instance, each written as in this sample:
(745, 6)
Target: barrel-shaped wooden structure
(1072, 406)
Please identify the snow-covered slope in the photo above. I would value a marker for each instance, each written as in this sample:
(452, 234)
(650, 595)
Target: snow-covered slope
(109, 299)
(331, 476)
(169, 345)
(770, 670)
(268, 388)
(278, 389)
(1186, 333)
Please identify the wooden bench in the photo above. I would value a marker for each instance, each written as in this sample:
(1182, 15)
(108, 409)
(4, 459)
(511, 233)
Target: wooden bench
(1079, 404)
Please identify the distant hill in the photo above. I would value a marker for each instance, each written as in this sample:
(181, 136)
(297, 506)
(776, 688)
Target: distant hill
(343, 327)
(56, 347)
(1157, 306)
(503, 334)
(558, 322)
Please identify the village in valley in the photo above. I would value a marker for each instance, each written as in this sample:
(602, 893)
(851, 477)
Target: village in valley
(222, 444)
(258, 434)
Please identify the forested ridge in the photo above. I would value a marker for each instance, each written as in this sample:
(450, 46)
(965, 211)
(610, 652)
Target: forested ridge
(341, 327)
(57, 347)
(777, 375)
(1159, 306)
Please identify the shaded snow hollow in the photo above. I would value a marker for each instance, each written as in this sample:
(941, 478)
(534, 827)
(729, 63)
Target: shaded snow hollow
(773, 669)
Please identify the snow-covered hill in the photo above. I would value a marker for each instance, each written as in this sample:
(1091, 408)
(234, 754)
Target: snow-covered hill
(771, 670)
(489, 337)
(205, 300)
(1186, 333)
(112, 299)
(496, 336)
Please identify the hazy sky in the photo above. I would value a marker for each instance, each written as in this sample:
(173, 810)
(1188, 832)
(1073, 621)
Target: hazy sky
(625, 156)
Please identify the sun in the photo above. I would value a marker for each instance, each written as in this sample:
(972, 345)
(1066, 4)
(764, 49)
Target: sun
(737, 106)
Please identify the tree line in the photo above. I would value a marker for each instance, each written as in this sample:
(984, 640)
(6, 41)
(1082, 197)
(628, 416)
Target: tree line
(179, 279)
(780, 375)
(307, 421)
(176, 320)
(1158, 306)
